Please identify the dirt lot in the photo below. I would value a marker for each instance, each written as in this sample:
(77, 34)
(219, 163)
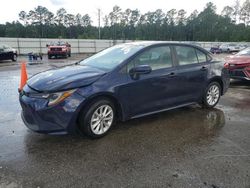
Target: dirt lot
(187, 147)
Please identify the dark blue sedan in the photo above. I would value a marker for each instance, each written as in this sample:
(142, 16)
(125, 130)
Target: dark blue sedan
(120, 83)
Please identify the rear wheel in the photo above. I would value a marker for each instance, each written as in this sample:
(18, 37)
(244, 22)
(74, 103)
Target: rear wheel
(49, 56)
(212, 95)
(97, 118)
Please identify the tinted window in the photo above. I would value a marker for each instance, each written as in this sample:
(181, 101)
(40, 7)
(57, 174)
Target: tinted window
(202, 57)
(157, 58)
(186, 55)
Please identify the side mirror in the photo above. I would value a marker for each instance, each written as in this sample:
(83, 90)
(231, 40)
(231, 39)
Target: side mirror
(47, 45)
(138, 70)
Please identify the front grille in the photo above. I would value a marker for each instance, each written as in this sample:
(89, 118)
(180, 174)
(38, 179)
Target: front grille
(239, 73)
(247, 71)
(56, 49)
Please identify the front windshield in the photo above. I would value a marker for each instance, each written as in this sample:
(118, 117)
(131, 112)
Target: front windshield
(112, 57)
(245, 52)
(59, 43)
(5, 47)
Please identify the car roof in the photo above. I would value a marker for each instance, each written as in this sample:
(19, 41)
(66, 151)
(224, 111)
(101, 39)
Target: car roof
(153, 43)
(150, 43)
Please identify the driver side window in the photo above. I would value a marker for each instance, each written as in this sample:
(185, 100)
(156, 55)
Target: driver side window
(156, 58)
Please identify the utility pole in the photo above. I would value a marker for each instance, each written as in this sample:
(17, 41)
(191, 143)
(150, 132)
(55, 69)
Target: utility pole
(99, 23)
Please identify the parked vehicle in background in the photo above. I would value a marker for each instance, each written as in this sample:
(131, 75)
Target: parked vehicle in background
(122, 82)
(59, 49)
(243, 46)
(239, 65)
(215, 50)
(228, 48)
(7, 53)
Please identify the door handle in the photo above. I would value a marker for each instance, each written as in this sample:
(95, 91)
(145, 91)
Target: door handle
(203, 68)
(172, 74)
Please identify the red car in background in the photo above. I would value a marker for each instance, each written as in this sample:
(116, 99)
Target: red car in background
(239, 65)
(57, 49)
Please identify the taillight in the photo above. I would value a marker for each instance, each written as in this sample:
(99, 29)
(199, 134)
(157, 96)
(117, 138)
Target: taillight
(226, 65)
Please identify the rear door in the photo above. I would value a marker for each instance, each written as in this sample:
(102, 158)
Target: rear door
(192, 71)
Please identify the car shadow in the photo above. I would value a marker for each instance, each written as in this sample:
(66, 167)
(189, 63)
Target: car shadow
(5, 61)
(244, 84)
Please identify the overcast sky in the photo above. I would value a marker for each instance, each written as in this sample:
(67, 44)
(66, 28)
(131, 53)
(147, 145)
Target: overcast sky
(9, 9)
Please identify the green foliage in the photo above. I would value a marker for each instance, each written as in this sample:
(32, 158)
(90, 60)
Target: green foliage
(207, 25)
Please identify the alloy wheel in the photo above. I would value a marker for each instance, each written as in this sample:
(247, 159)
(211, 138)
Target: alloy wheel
(213, 95)
(102, 119)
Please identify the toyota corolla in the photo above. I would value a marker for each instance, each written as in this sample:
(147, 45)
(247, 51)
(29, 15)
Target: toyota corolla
(120, 83)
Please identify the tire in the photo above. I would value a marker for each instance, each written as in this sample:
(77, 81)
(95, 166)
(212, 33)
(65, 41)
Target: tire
(69, 54)
(212, 95)
(49, 56)
(94, 113)
(14, 57)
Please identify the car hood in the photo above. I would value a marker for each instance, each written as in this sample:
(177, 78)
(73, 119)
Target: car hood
(68, 77)
(238, 60)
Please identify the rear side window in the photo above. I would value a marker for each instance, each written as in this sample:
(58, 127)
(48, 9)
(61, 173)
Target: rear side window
(202, 57)
(156, 57)
(186, 55)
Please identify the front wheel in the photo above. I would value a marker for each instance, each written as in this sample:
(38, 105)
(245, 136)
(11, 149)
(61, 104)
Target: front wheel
(212, 95)
(97, 118)
(14, 57)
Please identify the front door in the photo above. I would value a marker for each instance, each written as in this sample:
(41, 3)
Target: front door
(154, 91)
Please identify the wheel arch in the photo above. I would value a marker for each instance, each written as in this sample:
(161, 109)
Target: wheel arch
(109, 96)
(219, 80)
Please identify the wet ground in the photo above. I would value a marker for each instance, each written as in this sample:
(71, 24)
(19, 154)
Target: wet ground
(187, 147)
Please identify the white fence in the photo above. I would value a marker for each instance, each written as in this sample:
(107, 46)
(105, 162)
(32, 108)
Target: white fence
(27, 45)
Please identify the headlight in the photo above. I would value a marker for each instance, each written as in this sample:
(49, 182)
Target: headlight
(38, 95)
(55, 98)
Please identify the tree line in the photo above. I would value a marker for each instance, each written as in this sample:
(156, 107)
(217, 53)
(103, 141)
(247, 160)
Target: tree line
(233, 24)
